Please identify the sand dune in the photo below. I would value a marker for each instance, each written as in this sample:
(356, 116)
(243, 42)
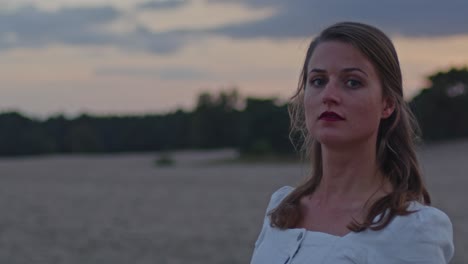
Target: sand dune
(122, 209)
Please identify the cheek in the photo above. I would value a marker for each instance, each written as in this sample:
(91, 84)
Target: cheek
(310, 99)
(311, 109)
(368, 113)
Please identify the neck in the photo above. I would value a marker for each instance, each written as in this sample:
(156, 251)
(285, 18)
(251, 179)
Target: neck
(350, 174)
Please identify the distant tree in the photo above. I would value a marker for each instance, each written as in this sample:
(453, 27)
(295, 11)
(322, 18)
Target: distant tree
(56, 128)
(215, 121)
(20, 135)
(173, 130)
(442, 108)
(265, 127)
(81, 136)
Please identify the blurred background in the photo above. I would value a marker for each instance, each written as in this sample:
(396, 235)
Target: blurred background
(136, 131)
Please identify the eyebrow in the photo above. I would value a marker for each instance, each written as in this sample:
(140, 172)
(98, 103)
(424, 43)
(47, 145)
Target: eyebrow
(345, 70)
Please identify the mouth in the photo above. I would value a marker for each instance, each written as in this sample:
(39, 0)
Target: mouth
(331, 116)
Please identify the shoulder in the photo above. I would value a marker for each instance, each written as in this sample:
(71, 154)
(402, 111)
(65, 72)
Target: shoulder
(429, 220)
(278, 196)
(275, 200)
(421, 216)
(433, 226)
(424, 235)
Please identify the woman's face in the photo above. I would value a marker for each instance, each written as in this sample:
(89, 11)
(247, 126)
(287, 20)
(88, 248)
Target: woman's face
(341, 80)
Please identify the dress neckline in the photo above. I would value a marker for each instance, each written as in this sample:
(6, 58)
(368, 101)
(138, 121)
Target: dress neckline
(320, 233)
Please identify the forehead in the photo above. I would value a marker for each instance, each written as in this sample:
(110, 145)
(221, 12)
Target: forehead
(335, 55)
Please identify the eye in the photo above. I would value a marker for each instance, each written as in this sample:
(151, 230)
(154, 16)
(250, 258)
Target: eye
(351, 83)
(317, 82)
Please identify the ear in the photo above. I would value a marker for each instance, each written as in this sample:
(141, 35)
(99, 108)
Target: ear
(388, 107)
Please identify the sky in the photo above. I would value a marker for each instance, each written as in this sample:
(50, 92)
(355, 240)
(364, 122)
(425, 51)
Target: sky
(155, 56)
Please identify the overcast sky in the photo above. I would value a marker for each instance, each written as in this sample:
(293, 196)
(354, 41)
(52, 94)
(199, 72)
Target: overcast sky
(130, 56)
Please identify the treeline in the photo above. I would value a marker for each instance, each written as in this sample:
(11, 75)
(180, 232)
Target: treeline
(442, 108)
(252, 125)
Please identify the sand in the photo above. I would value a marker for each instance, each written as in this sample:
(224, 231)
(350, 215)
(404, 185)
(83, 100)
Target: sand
(123, 209)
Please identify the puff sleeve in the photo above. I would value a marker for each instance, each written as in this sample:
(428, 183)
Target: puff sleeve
(430, 240)
(275, 200)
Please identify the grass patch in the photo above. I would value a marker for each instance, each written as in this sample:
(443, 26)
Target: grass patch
(165, 160)
(259, 159)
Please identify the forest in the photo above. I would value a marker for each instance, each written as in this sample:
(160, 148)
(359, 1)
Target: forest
(226, 120)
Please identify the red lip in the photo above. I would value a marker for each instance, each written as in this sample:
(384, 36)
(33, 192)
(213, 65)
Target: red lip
(330, 116)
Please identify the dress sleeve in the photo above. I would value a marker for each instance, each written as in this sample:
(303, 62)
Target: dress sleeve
(275, 200)
(431, 240)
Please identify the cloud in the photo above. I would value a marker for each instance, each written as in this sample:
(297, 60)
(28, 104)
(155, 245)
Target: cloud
(160, 43)
(29, 27)
(303, 18)
(162, 4)
(166, 74)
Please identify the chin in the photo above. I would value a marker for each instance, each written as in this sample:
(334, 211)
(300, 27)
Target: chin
(333, 140)
(332, 143)
(341, 141)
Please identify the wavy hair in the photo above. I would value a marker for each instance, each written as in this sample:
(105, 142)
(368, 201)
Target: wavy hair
(397, 134)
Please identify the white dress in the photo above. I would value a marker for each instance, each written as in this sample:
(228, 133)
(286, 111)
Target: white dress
(421, 237)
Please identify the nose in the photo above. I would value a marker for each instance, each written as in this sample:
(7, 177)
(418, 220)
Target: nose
(331, 93)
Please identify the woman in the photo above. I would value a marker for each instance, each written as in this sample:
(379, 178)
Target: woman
(366, 201)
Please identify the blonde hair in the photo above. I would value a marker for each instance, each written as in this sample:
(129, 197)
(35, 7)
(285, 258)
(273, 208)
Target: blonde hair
(397, 134)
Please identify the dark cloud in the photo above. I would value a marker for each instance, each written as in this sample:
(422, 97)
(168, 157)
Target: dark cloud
(33, 28)
(162, 4)
(302, 18)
